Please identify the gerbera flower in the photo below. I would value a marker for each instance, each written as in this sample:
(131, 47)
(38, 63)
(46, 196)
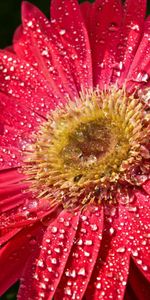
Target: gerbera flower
(74, 136)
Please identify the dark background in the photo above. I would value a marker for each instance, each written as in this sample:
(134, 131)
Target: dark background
(9, 20)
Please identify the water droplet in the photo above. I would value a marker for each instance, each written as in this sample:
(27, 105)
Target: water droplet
(73, 273)
(98, 285)
(111, 230)
(62, 31)
(88, 242)
(142, 77)
(67, 291)
(54, 229)
(121, 250)
(94, 227)
(135, 253)
(81, 272)
(54, 261)
(40, 263)
(145, 268)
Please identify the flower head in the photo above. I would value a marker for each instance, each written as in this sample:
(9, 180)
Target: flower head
(74, 137)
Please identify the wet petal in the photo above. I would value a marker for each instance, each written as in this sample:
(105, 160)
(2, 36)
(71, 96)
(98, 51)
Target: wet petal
(49, 262)
(86, 9)
(68, 19)
(19, 124)
(104, 38)
(131, 34)
(139, 73)
(40, 44)
(141, 233)
(21, 81)
(83, 255)
(14, 255)
(138, 283)
(108, 281)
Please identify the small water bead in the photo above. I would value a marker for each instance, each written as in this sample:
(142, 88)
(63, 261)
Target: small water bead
(54, 229)
(135, 27)
(132, 208)
(68, 291)
(145, 268)
(57, 250)
(87, 254)
(121, 250)
(82, 272)
(142, 77)
(40, 263)
(80, 242)
(139, 261)
(62, 31)
(98, 285)
(111, 230)
(94, 227)
(84, 218)
(47, 240)
(43, 285)
(135, 253)
(88, 242)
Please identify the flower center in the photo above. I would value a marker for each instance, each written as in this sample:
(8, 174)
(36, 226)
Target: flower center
(87, 148)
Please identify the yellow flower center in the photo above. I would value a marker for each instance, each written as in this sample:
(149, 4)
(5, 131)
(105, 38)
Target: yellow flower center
(86, 148)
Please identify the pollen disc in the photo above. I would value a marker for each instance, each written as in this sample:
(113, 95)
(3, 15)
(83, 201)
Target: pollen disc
(88, 149)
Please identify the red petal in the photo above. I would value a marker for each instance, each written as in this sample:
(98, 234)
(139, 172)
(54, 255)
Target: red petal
(139, 285)
(132, 30)
(21, 81)
(19, 125)
(43, 273)
(11, 187)
(104, 36)
(141, 233)
(13, 257)
(68, 19)
(146, 187)
(83, 255)
(139, 73)
(86, 8)
(110, 275)
(41, 46)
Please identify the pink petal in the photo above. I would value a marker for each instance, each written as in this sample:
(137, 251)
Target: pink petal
(140, 286)
(18, 206)
(8, 236)
(41, 46)
(83, 255)
(19, 123)
(110, 275)
(19, 80)
(141, 233)
(68, 19)
(132, 30)
(139, 72)
(104, 36)
(146, 187)
(43, 273)
(13, 257)
(9, 156)
(86, 9)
